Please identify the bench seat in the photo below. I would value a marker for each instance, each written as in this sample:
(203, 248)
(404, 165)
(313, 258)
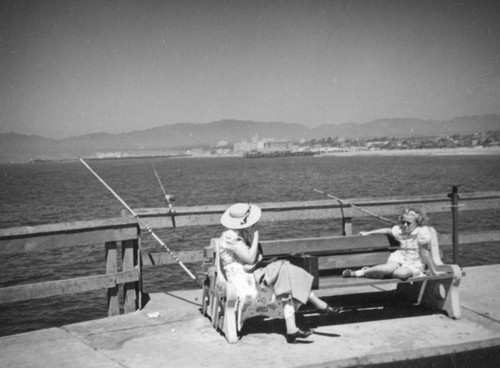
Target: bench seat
(334, 282)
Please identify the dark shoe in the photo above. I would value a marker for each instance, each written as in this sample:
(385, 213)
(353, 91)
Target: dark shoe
(299, 334)
(348, 273)
(330, 311)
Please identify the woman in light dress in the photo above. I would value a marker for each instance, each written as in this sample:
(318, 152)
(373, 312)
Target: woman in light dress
(413, 254)
(240, 257)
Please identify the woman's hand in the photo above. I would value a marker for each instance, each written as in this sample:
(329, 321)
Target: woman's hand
(364, 233)
(249, 268)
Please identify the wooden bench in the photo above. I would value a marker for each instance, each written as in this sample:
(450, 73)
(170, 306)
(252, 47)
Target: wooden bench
(334, 254)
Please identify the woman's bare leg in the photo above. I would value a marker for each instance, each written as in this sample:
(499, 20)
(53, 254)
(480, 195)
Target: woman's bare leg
(403, 272)
(317, 302)
(292, 331)
(378, 271)
(289, 314)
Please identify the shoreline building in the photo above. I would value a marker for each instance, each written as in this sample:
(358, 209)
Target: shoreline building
(264, 145)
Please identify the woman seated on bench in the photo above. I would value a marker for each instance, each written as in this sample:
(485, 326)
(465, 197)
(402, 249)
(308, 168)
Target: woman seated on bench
(240, 255)
(412, 256)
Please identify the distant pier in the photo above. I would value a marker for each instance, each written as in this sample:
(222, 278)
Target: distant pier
(278, 154)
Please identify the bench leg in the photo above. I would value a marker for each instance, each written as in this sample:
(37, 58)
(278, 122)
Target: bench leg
(230, 316)
(205, 301)
(443, 295)
(229, 324)
(215, 309)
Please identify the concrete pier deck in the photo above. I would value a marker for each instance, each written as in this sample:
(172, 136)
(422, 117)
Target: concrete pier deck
(179, 336)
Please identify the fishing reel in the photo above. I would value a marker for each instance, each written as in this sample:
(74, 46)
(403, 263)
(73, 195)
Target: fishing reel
(169, 198)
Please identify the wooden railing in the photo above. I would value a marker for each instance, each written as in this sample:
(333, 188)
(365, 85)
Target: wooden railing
(451, 203)
(124, 230)
(108, 233)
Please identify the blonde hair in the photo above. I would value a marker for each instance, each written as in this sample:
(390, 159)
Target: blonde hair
(418, 214)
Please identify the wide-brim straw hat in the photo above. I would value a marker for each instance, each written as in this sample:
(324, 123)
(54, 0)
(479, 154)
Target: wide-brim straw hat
(241, 216)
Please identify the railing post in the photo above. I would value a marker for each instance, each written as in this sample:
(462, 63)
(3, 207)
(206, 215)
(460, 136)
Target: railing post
(347, 226)
(130, 249)
(112, 267)
(454, 213)
(138, 263)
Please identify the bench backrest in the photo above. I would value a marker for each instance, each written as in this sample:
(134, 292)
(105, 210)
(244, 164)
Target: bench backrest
(336, 253)
(436, 252)
(221, 275)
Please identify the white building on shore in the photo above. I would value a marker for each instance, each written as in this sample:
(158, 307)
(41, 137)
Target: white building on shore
(264, 145)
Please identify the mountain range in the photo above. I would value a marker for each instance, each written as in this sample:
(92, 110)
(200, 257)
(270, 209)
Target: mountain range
(176, 137)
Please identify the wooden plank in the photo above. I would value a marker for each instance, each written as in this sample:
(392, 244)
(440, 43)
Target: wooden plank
(352, 260)
(340, 282)
(320, 209)
(138, 264)
(67, 227)
(83, 237)
(68, 286)
(163, 258)
(130, 289)
(470, 238)
(322, 245)
(112, 268)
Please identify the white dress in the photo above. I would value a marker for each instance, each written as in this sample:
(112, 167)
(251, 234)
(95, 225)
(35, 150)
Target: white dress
(252, 299)
(234, 266)
(408, 253)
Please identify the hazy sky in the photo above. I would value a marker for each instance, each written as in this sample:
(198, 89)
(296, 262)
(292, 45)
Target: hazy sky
(76, 67)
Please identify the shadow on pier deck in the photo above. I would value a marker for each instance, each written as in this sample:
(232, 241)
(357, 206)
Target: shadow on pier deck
(181, 337)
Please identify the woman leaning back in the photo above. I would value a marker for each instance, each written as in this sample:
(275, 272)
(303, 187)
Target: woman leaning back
(240, 253)
(413, 253)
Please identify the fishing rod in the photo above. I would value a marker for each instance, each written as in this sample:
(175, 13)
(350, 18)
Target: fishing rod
(169, 198)
(354, 206)
(139, 220)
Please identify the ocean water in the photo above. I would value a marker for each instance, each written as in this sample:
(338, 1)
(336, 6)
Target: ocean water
(52, 192)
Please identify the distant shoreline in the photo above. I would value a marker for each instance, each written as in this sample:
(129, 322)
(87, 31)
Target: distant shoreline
(421, 152)
(462, 151)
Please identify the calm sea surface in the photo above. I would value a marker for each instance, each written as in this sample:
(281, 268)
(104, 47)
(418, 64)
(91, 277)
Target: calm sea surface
(33, 194)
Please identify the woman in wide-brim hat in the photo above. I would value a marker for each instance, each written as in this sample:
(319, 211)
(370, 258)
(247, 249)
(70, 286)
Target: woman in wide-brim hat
(240, 252)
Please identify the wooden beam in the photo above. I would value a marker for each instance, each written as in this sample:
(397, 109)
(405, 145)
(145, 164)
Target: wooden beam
(195, 256)
(318, 209)
(470, 238)
(130, 289)
(68, 286)
(319, 245)
(65, 228)
(112, 268)
(76, 234)
(163, 258)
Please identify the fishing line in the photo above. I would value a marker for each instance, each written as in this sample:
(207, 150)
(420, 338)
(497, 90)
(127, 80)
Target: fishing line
(356, 207)
(159, 181)
(169, 198)
(139, 220)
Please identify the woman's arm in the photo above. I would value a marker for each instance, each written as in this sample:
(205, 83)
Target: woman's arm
(385, 231)
(246, 254)
(424, 244)
(426, 258)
